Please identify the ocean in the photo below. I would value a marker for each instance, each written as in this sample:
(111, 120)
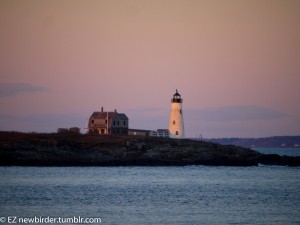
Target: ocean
(188, 195)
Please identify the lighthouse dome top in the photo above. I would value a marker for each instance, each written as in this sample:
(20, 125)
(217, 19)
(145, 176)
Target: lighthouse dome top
(176, 97)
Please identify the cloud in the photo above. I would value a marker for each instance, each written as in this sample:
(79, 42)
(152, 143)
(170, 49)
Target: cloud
(235, 113)
(13, 89)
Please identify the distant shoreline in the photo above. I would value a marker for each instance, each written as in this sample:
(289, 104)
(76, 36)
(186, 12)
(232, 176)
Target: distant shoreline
(39, 149)
(266, 142)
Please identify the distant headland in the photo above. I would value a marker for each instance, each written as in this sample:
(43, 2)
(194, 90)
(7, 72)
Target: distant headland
(75, 149)
(266, 142)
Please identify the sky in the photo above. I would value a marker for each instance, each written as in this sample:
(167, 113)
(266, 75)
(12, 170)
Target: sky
(236, 64)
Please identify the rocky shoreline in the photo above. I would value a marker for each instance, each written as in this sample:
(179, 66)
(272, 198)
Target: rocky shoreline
(35, 149)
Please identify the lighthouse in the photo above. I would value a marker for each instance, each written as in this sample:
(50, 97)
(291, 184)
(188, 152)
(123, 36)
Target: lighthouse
(176, 127)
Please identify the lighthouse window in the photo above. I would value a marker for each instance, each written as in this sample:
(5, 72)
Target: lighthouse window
(176, 132)
(173, 122)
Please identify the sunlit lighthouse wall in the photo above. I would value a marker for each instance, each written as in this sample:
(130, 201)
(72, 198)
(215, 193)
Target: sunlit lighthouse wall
(176, 126)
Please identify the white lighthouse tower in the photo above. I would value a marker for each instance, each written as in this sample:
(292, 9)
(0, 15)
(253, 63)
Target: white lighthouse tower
(176, 127)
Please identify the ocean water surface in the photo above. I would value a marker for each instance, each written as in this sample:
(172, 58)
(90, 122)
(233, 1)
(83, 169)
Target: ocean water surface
(154, 195)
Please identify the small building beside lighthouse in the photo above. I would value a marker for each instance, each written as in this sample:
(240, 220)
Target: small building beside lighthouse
(108, 123)
(176, 126)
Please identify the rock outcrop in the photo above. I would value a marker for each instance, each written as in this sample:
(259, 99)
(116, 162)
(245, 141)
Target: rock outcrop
(33, 149)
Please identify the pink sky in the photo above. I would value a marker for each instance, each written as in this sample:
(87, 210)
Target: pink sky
(236, 64)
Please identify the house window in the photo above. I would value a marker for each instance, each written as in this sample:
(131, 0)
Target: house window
(92, 121)
(180, 111)
(124, 123)
(118, 122)
(176, 132)
(173, 122)
(114, 122)
(105, 121)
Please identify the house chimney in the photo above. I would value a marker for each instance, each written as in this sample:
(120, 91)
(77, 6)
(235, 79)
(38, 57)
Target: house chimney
(115, 110)
(102, 109)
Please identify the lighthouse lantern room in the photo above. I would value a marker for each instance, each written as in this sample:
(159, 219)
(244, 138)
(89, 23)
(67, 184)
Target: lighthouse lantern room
(176, 126)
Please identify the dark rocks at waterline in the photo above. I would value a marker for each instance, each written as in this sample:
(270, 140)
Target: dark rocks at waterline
(35, 149)
(273, 159)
